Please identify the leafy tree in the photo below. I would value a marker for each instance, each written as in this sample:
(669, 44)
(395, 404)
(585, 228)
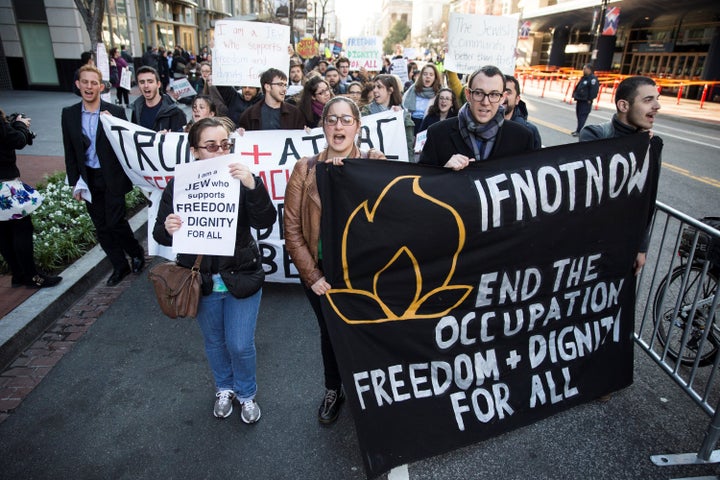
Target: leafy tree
(398, 34)
(92, 13)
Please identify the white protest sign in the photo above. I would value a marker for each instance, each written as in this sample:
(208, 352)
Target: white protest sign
(399, 68)
(293, 90)
(365, 52)
(478, 40)
(244, 50)
(182, 87)
(420, 139)
(206, 198)
(126, 79)
(103, 64)
(150, 160)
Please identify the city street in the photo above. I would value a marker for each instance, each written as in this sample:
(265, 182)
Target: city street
(133, 398)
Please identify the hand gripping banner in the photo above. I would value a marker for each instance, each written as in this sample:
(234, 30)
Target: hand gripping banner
(466, 304)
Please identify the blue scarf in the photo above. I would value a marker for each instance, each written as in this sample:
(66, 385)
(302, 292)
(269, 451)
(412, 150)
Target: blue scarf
(480, 138)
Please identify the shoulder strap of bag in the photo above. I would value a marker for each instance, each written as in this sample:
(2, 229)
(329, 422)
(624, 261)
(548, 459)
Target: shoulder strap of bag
(196, 265)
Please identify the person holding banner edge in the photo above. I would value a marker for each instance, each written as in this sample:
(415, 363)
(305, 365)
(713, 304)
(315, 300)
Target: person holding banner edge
(480, 131)
(340, 120)
(231, 285)
(637, 102)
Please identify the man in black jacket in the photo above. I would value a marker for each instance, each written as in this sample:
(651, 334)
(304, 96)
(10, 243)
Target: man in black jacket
(584, 93)
(480, 131)
(516, 110)
(95, 172)
(637, 102)
(154, 110)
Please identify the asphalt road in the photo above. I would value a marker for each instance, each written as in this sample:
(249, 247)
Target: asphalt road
(133, 399)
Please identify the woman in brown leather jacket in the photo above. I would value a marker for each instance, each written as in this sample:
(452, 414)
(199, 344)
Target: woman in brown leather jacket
(341, 123)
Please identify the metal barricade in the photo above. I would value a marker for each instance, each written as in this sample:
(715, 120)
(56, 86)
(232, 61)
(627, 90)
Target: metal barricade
(677, 317)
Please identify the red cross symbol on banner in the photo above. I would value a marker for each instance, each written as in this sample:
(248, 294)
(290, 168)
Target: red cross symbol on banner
(256, 154)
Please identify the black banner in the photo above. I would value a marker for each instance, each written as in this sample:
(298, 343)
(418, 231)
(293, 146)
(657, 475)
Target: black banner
(466, 304)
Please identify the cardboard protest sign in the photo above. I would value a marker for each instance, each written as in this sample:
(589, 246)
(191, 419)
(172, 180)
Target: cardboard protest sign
(307, 47)
(365, 52)
(243, 50)
(182, 87)
(478, 40)
(466, 304)
(206, 197)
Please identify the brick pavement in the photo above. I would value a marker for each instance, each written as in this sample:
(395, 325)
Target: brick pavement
(36, 361)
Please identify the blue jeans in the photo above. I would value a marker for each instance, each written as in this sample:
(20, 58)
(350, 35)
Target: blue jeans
(228, 327)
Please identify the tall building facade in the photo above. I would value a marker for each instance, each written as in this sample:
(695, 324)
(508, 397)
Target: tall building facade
(661, 38)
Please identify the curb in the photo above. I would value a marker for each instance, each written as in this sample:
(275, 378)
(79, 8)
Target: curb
(29, 320)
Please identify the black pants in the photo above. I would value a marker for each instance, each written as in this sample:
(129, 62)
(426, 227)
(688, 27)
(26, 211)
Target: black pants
(332, 372)
(582, 110)
(16, 247)
(107, 212)
(122, 96)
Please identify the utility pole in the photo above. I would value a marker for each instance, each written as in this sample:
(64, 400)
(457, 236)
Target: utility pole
(598, 30)
(291, 15)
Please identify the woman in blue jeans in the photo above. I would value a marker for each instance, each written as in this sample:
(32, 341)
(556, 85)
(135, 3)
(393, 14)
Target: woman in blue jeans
(232, 285)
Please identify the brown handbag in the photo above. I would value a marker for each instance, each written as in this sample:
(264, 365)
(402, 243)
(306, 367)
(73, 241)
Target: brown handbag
(177, 288)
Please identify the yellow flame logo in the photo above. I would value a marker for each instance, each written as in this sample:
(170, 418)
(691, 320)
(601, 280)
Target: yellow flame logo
(422, 301)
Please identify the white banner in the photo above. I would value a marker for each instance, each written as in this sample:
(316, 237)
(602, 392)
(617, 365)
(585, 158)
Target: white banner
(365, 52)
(244, 50)
(206, 197)
(478, 40)
(150, 159)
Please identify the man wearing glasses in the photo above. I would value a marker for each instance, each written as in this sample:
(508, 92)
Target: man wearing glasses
(480, 131)
(274, 113)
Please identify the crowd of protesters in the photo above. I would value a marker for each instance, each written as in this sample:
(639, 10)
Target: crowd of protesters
(467, 119)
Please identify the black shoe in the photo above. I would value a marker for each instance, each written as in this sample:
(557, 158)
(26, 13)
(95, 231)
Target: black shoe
(41, 281)
(138, 263)
(574, 134)
(117, 276)
(330, 406)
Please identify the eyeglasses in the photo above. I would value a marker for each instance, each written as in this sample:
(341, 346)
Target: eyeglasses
(322, 92)
(346, 120)
(479, 96)
(355, 92)
(445, 99)
(279, 84)
(214, 147)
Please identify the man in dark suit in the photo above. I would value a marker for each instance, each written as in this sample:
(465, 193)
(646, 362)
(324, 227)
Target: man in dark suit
(92, 168)
(480, 131)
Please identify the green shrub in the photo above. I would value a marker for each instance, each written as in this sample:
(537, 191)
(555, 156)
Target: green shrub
(63, 229)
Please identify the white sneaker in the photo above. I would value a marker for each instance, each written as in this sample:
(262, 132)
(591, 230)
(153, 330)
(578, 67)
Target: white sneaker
(223, 404)
(250, 411)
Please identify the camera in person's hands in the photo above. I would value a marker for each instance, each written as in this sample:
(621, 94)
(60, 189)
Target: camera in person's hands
(14, 117)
